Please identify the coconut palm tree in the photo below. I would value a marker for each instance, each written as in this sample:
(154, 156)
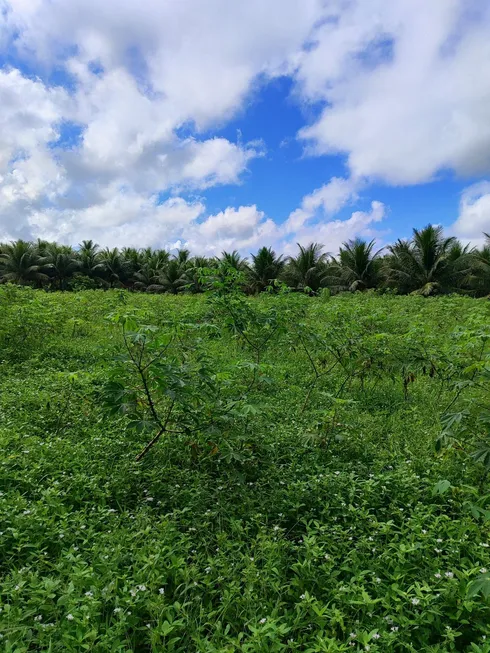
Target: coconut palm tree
(308, 269)
(194, 282)
(89, 259)
(172, 279)
(116, 269)
(21, 263)
(266, 267)
(234, 260)
(356, 267)
(62, 264)
(481, 269)
(427, 264)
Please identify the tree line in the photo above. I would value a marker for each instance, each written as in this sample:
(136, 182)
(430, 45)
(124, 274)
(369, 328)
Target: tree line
(428, 263)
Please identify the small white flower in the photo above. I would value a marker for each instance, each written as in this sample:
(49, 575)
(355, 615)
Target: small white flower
(303, 597)
(26, 512)
(438, 575)
(149, 499)
(376, 636)
(352, 635)
(117, 610)
(336, 473)
(263, 620)
(141, 588)
(439, 540)
(484, 544)
(89, 594)
(483, 570)
(162, 590)
(415, 601)
(394, 629)
(38, 618)
(70, 617)
(378, 579)
(133, 592)
(449, 574)
(276, 528)
(148, 625)
(438, 550)
(367, 647)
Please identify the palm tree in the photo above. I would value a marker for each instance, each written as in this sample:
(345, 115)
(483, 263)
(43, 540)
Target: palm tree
(116, 268)
(89, 259)
(173, 278)
(427, 264)
(481, 269)
(266, 268)
(192, 273)
(21, 263)
(308, 269)
(62, 264)
(356, 268)
(233, 260)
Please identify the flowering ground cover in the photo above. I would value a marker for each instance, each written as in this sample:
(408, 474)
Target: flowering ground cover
(220, 473)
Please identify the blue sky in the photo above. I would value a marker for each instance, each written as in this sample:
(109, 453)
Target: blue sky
(224, 125)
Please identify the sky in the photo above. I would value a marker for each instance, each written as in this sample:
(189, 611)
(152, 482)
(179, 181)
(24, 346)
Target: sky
(219, 125)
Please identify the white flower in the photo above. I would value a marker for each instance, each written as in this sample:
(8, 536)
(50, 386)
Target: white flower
(484, 544)
(376, 636)
(302, 597)
(424, 531)
(449, 574)
(276, 528)
(162, 590)
(207, 570)
(483, 570)
(439, 540)
(26, 512)
(367, 647)
(148, 625)
(117, 610)
(70, 617)
(263, 620)
(38, 618)
(336, 473)
(438, 550)
(352, 635)
(438, 575)
(149, 499)
(415, 601)
(141, 588)
(89, 594)
(133, 592)
(394, 629)
(378, 579)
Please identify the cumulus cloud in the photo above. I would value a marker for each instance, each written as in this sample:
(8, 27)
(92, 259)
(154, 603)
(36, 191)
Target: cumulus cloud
(474, 214)
(406, 85)
(403, 91)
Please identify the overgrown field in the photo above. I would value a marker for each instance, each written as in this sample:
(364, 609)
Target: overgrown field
(319, 484)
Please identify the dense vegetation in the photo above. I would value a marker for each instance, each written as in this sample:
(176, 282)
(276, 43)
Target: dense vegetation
(226, 473)
(427, 264)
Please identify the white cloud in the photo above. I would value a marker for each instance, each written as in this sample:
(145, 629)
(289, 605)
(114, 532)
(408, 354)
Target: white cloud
(404, 88)
(328, 199)
(332, 233)
(407, 87)
(474, 214)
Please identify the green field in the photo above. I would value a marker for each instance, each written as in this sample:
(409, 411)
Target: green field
(321, 484)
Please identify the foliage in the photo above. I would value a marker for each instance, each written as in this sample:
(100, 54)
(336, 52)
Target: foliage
(295, 501)
(427, 264)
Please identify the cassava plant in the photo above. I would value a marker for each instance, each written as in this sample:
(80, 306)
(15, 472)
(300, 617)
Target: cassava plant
(163, 385)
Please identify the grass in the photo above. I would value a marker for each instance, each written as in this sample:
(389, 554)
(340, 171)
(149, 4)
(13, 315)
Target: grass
(312, 527)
